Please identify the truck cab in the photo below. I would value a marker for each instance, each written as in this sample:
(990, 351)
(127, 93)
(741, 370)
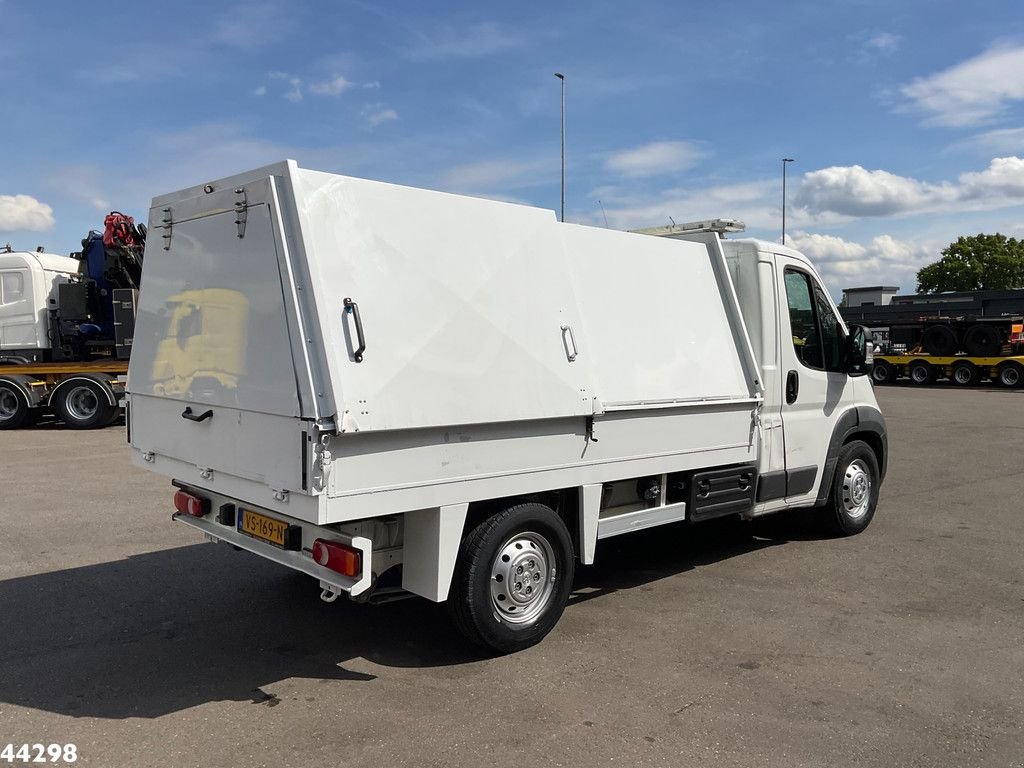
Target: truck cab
(28, 289)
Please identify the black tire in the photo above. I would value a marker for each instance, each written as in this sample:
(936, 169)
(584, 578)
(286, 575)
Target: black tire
(983, 341)
(14, 410)
(939, 340)
(883, 372)
(851, 504)
(965, 374)
(921, 372)
(83, 404)
(489, 555)
(1011, 374)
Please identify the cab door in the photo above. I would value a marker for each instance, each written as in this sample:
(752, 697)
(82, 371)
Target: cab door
(816, 387)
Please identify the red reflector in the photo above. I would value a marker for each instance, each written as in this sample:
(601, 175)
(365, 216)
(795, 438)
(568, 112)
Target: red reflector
(338, 557)
(188, 504)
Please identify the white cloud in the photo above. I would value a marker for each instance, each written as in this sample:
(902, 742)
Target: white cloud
(856, 191)
(24, 212)
(294, 92)
(972, 92)
(654, 159)
(474, 41)
(884, 42)
(331, 87)
(883, 260)
(1004, 176)
(493, 175)
(376, 116)
(1005, 141)
(248, 25)
(756, 203)
(261, 91)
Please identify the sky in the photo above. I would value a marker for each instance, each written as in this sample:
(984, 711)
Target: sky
(905, 120)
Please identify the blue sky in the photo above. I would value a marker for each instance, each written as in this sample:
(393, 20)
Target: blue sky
(905, 119)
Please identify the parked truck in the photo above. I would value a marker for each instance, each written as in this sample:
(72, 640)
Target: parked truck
(964, 350)
(66, 327)
(398, 391)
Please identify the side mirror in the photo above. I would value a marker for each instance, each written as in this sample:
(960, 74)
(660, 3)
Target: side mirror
(858, 351)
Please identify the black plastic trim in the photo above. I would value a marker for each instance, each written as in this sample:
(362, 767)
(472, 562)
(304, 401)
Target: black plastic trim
(862, 418)
(791, 482)
(800, 480)
(771, 485)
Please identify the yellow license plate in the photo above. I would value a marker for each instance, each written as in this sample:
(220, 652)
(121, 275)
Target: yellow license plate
(262, 527)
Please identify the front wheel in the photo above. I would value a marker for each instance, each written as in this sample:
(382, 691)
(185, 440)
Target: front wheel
(883, 372)
(855, 485)
(512, 578)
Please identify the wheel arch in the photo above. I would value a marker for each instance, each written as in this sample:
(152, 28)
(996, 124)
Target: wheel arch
(862, 422)
(22, 385)
(98, 379)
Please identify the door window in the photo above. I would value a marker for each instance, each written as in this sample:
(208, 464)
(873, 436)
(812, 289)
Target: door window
(831, 331)
(802, 320)
(817, 334)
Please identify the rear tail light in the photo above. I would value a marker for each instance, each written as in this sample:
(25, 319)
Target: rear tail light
(188, 504)
(338, 557)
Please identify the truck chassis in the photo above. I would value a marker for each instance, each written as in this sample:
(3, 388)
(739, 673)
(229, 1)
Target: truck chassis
(84, 395)
(962, 370)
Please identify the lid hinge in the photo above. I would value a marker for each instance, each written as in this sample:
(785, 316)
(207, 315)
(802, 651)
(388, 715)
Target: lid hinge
(168, 225)
(241, 211)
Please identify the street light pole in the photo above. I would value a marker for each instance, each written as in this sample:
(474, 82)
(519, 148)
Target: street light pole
(785, 161)
(561, 78)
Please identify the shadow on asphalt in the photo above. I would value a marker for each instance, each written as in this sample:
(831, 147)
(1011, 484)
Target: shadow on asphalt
(160, 632)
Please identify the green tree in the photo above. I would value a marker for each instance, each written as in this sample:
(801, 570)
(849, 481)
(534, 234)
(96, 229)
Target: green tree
(979, 262)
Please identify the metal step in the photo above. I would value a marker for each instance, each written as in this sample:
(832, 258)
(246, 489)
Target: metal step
(642, 518)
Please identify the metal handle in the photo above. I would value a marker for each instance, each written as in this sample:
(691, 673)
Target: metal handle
(187, 414)
(566, 341)
(353, 308)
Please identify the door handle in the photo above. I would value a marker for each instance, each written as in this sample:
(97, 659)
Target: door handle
(569, 342)
(792, 387)
(187, 414)
(353, 308)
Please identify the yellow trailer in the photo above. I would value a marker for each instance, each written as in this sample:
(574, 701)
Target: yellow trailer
(963, 370)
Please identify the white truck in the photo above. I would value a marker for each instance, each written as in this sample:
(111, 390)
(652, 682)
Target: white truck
(396, 390)
(39, 371)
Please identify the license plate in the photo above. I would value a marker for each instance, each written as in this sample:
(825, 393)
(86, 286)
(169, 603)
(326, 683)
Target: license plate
(263, 528)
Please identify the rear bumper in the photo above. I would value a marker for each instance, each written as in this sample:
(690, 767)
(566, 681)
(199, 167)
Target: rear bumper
(299, 561)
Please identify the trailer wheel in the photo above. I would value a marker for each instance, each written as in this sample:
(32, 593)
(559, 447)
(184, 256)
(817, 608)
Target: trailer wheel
(854, 494)
(14, 410)
(939, 340)
(1011, 374)
(512, 578)
(965, 374)
(83, 404)
(982, 341)
(922, 372)
(883, 372)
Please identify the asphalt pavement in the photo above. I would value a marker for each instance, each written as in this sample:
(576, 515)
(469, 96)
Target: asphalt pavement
(753, 644)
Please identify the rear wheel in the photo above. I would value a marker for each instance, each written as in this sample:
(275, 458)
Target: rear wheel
(1011, 374)
(922, 372)
(854, 495)
(883, 372)
(14, 410)
(84, 404)
(512, 578)
(965, 374)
